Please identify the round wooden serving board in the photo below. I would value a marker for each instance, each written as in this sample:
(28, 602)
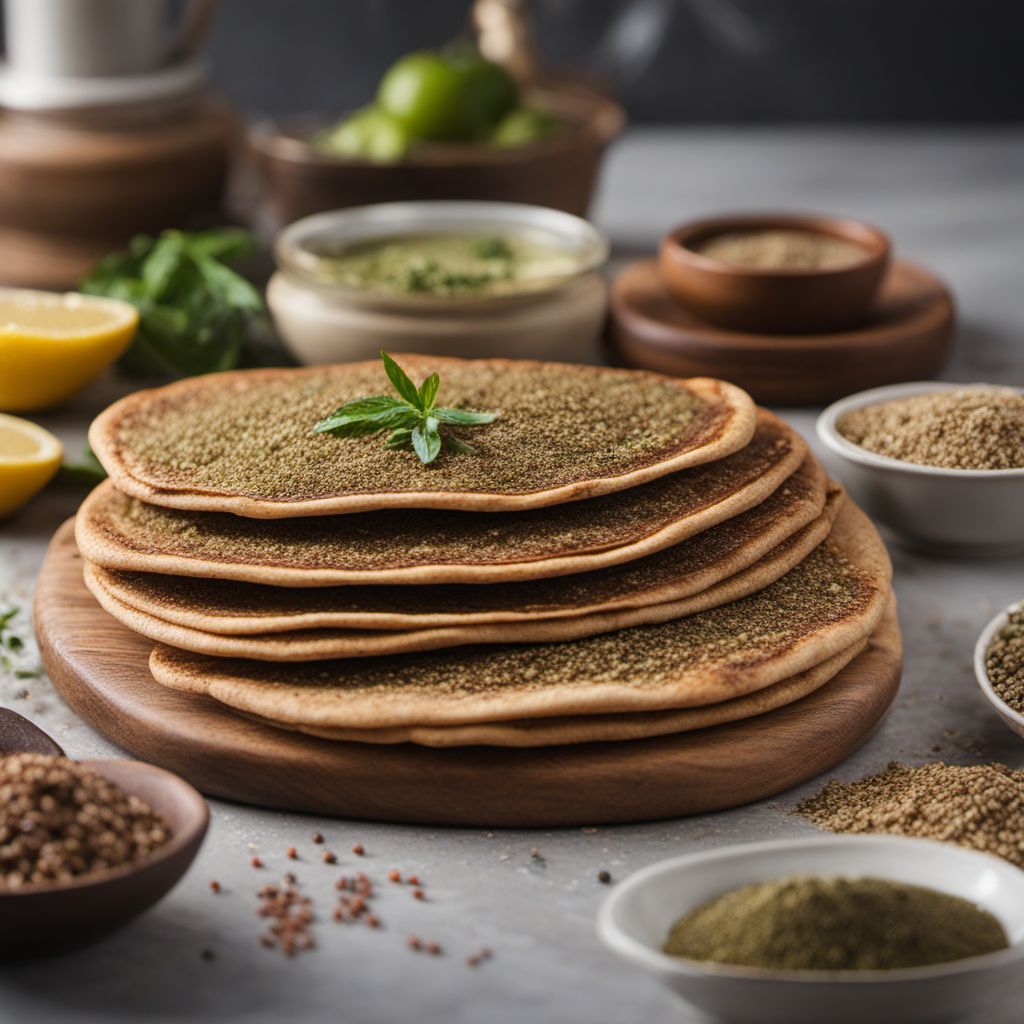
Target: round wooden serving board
(908, 336)
(101, 669)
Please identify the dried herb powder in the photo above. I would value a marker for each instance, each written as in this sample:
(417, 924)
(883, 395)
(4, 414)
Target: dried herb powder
(781, 249)
(1004, 661)
(811, 923)
(59, 821)
(975, 427)
(978, 806)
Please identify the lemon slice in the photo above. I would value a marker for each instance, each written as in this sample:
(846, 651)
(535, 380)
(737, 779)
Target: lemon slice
(29, 458)
(51, 346)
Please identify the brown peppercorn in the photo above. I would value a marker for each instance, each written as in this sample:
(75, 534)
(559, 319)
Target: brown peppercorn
(414, 943)
(318, 838)
(359, 850)
(604, 877)
(214, 887)
(328, 858)
(418, 894)
(255, 862)
(394, 875)
(293, 854)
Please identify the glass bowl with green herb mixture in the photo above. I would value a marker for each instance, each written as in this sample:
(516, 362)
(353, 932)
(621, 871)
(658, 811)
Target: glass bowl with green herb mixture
(443, 278)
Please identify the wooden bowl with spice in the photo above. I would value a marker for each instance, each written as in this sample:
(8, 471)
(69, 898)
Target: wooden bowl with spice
(775, 273)
(70, 874)
(999, 665)
(940, 464)
(962, 970)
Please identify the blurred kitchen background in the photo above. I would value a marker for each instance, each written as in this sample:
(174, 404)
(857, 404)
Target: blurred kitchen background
(935, 61)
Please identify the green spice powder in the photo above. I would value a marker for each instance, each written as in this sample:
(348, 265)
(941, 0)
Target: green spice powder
(810, 923)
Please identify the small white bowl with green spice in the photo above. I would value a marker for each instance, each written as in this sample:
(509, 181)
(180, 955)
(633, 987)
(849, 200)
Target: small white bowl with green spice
(999, 665)
(636, 919)
(965, 511)
(466, 279)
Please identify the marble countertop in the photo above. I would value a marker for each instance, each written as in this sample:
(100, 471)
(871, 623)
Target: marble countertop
(951, 200)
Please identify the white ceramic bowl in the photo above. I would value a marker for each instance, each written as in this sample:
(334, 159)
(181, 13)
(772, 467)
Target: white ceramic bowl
(330, 323)
(1014, 719)
(635, 920)
(960, 511)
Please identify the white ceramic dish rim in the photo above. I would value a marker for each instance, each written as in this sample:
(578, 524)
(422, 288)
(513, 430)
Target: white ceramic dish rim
(379, 220)
(632, 949)
(831, 438)
(981, 673)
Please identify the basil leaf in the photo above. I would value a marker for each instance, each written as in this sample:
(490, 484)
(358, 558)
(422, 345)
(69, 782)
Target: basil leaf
(398, 378)
(428, 392)
(426, 441)
(465, 417)
(372, 406)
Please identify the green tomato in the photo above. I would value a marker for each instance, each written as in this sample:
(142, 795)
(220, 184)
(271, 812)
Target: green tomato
(487, 93)
(423, 91)
(524, 125)
(369, 134)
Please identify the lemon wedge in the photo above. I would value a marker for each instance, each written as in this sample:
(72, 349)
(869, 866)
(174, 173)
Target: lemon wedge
(29, 458)
(51, 346)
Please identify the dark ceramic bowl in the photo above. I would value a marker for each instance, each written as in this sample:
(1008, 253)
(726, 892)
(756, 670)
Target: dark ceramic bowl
(774, 301)
(44, 919)
(297, 179)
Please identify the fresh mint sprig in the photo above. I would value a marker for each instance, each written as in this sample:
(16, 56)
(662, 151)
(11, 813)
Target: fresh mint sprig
(413, 420)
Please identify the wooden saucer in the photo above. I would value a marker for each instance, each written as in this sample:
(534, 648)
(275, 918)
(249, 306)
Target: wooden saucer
(101, 669)
(909, 336)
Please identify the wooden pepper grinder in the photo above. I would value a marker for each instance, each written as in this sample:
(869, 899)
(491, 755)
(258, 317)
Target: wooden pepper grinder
(107, 130)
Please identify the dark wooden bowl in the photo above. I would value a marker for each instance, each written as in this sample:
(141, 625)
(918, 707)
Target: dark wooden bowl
(297, 180)
(908, 335)
(774, 301)
(46, 919)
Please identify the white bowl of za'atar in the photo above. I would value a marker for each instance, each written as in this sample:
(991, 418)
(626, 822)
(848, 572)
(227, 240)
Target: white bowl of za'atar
(637, 920)
(941, 464)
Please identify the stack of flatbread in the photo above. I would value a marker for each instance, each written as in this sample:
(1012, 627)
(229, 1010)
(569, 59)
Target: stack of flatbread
(626, 555)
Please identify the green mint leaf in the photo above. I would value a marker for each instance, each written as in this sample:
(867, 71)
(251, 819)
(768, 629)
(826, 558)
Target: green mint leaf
(428, 392)
(426, 441)
(453, 444)
(373, 406)
(399, 438)
(465, 417)
(400, 380)
(360, 425)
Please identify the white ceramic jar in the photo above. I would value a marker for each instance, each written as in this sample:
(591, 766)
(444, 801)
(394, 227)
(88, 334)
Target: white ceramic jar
(330, 323)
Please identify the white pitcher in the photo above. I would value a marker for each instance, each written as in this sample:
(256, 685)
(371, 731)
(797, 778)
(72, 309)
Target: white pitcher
(97, 38)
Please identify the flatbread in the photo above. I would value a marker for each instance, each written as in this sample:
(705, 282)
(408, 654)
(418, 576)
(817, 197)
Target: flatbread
(427, 546)
(319, 644)
(553, 732)
(683, 570)
(834, 598)
(243, 442)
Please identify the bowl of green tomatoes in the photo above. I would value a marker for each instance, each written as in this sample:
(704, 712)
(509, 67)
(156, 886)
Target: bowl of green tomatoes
(443, 124)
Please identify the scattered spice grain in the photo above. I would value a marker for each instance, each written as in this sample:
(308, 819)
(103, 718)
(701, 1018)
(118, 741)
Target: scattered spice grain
(291, 919)
(293, 854)
(318, 838)
(394, 875)
(59, 821)
(215, 887)
(976, 427)
(604, 877)
(328, 857)
(359, 850)
(255, 862)
(419, 894)
(979, 806)
(1004, 661)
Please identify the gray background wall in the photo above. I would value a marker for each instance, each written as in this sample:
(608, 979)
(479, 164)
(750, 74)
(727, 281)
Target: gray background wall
(671, 60)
